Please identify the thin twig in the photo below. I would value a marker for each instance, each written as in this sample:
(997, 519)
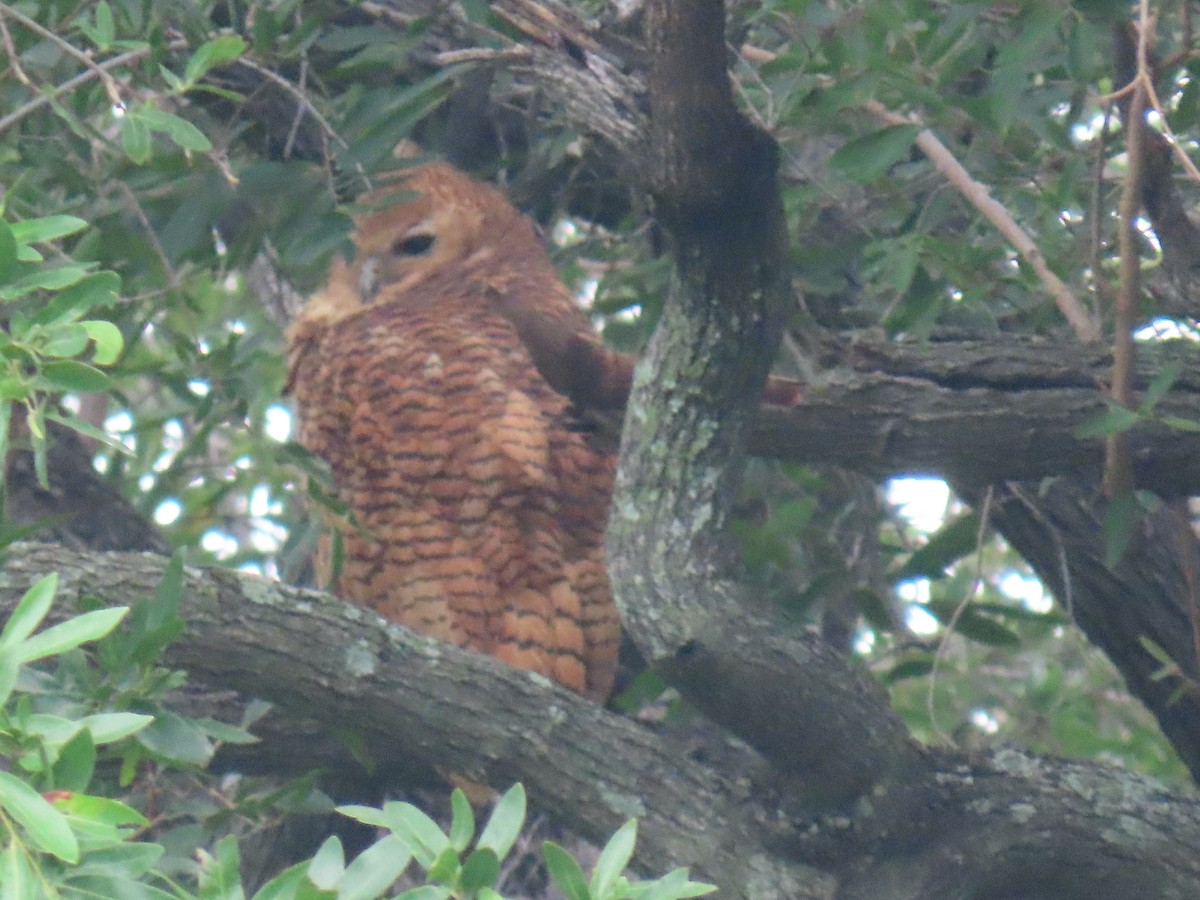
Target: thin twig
(1168, 135)
(977, 194)
(110, 83)
(1098, 217)
(307, 105)
(481, 54)
(298, 95)
(131, 199)
(952, 625)
(383, 11)
(1118, 467)
(1145, 79)
(297, 119)
(71, 83)
(11, 49)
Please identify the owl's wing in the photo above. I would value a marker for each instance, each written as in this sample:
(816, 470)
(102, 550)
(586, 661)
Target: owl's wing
(573, 361)
(577, 364)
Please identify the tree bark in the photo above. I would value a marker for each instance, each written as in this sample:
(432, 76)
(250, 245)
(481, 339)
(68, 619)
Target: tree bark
(979, 412)
(1000, 823)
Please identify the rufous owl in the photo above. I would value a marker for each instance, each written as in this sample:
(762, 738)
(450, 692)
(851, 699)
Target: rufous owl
(432, 373)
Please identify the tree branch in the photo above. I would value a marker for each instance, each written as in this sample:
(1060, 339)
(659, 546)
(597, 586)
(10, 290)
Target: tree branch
(957, 830)
(978, 412)
(712, 176)
(415, 704)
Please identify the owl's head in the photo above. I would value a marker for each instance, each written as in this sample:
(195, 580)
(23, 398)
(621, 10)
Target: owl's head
(426, 220)
(442, 220)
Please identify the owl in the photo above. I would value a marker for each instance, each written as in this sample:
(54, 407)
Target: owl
(433, 373)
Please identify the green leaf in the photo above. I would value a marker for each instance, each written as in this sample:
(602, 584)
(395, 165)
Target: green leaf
(1156, 651)
(8, 252)
(101, 811)
(675, 885)
(219, 876)
(972, 624)
(13, 389)
(1122, 517)
(225, 733)
(36, 423)
(87, 428)
(373, 870)
(1162, 382)
(108, 727)
(6, 408)
(462, 821)
(422, 835)
(97, 289)
(565, 872)
(613, 859)
(167, 595)
(65, 340)
(176, 738)
(218, 51)
(1112, 421)
(45, 279)
(9, 669)
(872, 607)
(481, 869)
(1178, 423)
(71, 633)
(477, 11)
(135, 139)
(327, 865)
(76, 762)
(72, 375)
(368, 815)
(106, 30)
(870, 156)
(181, 131)
(290, 884)
(17, 880)
(44, 824)
(917, 667)
(947, 545)
(124, 862)
(445, 869)
(109, 341)
(47, 228)
(176, 83)
(427, 892)
(505, 822)
(28, 615)
(53, 730)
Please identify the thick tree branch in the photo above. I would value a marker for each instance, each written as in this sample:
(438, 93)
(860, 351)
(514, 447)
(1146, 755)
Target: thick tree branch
(713, 179)
(415, 704)
(977, 412)
(959, 830)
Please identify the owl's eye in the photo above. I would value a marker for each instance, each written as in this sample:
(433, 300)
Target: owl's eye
(412, 244)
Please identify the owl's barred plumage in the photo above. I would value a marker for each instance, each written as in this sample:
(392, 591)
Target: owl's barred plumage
(478, 511)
